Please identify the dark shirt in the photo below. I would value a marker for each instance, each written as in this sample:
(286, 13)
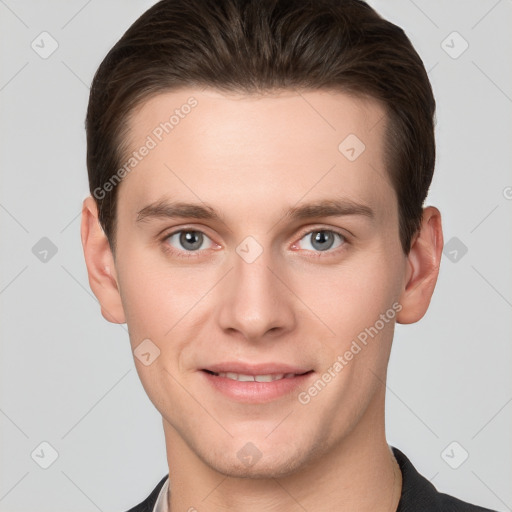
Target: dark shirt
(418, 494)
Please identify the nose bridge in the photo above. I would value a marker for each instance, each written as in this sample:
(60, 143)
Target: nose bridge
(254, 300)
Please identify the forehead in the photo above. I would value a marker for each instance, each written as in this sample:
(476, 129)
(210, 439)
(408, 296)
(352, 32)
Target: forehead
(206, 144)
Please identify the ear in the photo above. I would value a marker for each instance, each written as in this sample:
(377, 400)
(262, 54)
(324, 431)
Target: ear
(423, 263)
(100, 264)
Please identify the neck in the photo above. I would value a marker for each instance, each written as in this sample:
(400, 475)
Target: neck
(359, 473)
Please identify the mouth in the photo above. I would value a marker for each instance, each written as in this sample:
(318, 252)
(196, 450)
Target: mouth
(257, 386)
(269, 377)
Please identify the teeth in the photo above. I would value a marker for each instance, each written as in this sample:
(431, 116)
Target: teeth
(256, 378)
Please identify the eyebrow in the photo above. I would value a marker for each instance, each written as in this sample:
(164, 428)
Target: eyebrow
(325, 208)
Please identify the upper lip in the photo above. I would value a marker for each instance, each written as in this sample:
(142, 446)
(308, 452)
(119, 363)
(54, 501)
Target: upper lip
(256, 369)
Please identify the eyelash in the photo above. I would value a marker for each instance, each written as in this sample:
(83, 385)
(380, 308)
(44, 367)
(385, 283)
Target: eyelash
(194, 254)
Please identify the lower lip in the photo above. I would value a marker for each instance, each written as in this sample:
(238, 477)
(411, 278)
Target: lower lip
(257, 392)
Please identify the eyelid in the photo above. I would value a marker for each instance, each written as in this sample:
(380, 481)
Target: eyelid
(314, 229)
(164, 233)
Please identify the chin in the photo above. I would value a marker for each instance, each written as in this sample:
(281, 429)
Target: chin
(263, 469)
(248, 461)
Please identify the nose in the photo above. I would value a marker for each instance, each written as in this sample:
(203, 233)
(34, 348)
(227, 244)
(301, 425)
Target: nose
(256, 303)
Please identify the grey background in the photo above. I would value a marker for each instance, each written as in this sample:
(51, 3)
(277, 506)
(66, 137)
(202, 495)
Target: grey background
(68, 377)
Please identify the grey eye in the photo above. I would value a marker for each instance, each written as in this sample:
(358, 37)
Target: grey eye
(188, 240)
(322, 240)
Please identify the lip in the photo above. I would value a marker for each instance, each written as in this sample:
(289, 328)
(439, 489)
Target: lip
(256, 392)
(255, 369)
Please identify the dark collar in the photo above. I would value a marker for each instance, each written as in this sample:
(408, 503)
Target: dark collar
(419, 495)
(149, 503)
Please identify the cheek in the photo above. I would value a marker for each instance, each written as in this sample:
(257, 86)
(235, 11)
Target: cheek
(161, 300)
(150, 296)
(350, 297)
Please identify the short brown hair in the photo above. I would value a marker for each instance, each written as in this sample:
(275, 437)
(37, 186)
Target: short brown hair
(255, 46)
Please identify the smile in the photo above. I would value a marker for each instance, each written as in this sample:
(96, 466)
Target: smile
(257, 388)
(254, 378)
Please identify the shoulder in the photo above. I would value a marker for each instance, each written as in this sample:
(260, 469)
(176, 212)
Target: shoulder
(419, 495)
(149, 503)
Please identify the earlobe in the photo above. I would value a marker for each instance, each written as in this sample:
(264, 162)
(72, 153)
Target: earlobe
(100, 264)
(423, 263)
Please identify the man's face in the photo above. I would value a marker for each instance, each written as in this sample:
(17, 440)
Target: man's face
(257, 289)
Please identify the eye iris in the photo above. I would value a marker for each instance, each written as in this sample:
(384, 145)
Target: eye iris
(321, 237)
(194, 238)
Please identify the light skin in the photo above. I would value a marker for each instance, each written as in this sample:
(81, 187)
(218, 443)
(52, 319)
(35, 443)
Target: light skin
(252, 158)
